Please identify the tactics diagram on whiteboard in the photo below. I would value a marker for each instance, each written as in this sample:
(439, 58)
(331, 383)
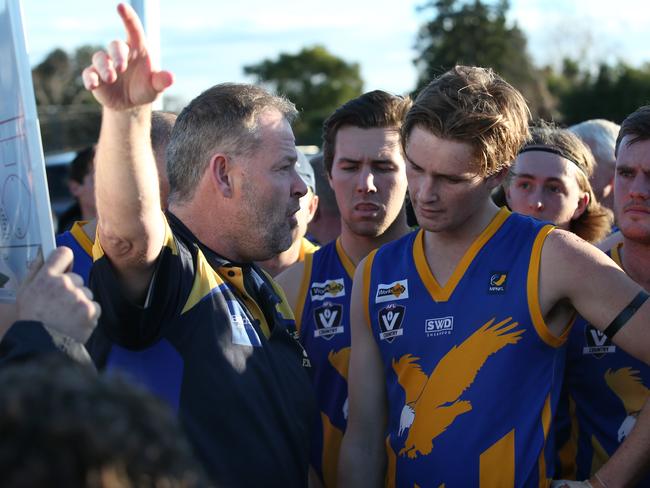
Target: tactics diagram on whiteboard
(25, 220)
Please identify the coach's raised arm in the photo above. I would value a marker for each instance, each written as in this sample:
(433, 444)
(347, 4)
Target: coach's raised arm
(125, 83)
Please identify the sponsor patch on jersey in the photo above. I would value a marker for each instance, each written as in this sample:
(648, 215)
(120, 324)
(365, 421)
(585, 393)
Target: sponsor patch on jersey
(327, 289)
(397, 290)
(328, 320)
(498, 281)
(243, 332)
(439, 326)
(391, 319)
(598, 344)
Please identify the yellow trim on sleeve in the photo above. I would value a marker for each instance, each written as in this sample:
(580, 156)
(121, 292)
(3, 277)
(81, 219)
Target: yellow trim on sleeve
(80, 236)
(532, 291)
(442, 293)
(303, 290)
(366, 286)
(345, 260)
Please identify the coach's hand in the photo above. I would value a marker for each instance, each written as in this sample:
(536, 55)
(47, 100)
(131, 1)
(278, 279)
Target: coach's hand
(123, 76)
(57, 298)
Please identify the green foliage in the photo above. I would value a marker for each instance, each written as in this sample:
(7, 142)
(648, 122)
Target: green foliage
(57, 79)
(612, 93)
(68, 113)
(477, 33)
(315, 80)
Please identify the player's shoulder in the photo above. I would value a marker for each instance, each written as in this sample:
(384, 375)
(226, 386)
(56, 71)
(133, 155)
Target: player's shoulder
(566, 253)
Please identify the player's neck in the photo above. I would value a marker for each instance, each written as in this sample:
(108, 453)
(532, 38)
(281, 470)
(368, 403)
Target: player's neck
(445, 249)
(465, 234)
(357, 246)
(636, 261)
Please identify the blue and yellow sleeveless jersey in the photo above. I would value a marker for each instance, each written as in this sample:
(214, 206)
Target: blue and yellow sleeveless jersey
(82, 249)
(604, 390)
(216, 340)
(322, 319)
(472, 371)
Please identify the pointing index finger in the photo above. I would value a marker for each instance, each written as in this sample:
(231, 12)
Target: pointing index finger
(134, 30)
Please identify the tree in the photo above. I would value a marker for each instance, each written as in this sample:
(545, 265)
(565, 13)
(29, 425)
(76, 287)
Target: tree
(611, 93)
(478, 34)
(315, 80)
(68, 113)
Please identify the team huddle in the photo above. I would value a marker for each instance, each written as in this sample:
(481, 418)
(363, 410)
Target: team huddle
(484, 340)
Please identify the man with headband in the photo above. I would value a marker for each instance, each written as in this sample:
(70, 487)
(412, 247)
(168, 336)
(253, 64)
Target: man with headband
(549, 180)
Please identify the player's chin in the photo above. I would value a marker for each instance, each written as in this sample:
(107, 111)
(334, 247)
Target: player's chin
(368, 228)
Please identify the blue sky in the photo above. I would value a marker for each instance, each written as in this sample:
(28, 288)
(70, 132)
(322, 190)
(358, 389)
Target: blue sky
(205, 42)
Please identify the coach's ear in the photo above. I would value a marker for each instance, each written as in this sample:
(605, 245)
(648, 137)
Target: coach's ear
(219, 173)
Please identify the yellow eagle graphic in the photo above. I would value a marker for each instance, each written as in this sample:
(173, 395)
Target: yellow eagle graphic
(627, 385)
(432, 403)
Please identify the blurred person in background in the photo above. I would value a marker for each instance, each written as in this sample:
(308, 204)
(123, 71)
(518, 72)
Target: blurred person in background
(600, 136)
(81, 183)
(326, 224)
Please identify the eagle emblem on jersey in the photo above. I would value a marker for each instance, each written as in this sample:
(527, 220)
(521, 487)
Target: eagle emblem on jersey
(433, 402)
(627, 385)
(340, 361)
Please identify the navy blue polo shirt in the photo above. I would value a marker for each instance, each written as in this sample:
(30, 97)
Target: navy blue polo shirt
(217, 341)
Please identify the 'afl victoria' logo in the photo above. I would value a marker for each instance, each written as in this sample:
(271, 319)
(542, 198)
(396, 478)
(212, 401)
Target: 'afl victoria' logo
(328, 320)
(391, 319)
(597, 343)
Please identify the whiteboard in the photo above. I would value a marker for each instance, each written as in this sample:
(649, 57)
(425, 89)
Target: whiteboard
(25, 219)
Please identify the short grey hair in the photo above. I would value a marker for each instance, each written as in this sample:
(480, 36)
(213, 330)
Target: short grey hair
(223, 119)
(600, 136)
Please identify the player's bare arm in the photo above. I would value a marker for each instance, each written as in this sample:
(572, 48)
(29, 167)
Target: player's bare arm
(125, 83)
(363, 457)
(578, 274)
